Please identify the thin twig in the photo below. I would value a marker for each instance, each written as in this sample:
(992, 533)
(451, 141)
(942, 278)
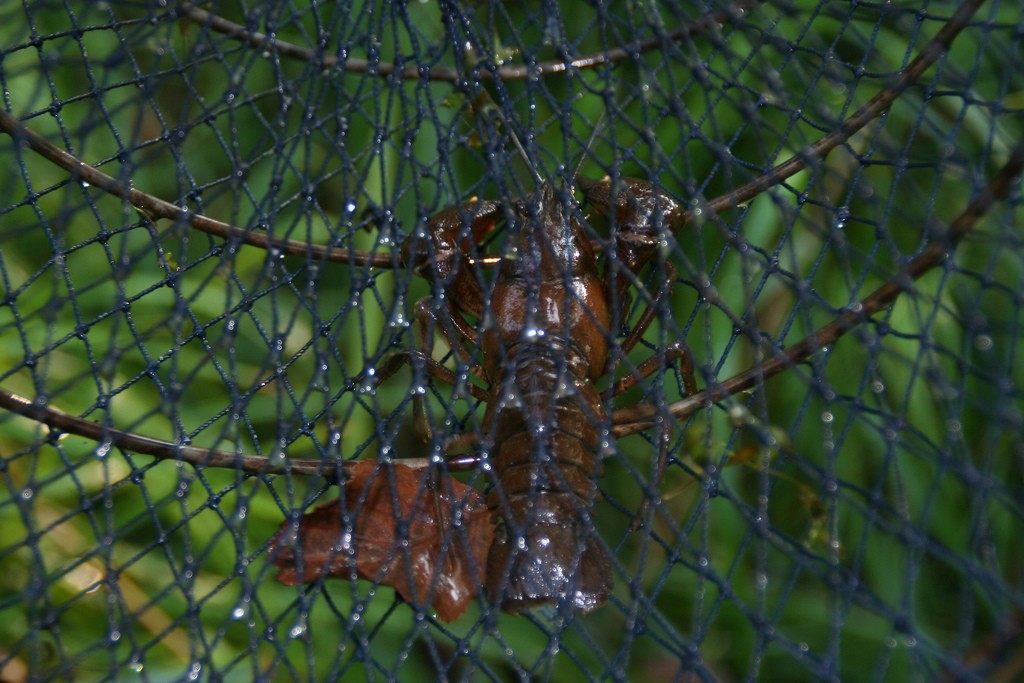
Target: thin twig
(198, 457)
(814, 152)
(817, 151)
(261, 41)
(628, 420)
(635, 419)
(158, 208)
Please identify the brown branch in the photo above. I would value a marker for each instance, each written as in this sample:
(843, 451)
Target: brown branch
(627, 420)
(261, 41)
(639, 418)
(777, 175)
(158, 208)
(195, 456)
(199, 457)
(161, 209)
(878, 104)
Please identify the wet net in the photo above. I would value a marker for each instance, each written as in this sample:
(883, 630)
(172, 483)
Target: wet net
(214, 232)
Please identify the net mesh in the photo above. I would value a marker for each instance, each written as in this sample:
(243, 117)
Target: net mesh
(849, 511)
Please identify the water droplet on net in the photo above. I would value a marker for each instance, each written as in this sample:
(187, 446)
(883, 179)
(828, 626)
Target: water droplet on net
(278, 458)
(510, 401)
(299, 629)
(368, 387)
(534, 334)
(564, 390)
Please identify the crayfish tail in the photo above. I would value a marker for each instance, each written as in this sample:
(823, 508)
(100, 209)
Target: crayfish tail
(550, 563)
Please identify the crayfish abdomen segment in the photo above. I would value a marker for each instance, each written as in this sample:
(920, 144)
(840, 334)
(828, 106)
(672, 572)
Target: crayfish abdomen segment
(546, 550)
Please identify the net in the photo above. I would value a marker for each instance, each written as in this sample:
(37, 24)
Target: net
(216, 243)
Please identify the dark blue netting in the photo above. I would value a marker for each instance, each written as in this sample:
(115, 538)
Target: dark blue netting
(850, 511)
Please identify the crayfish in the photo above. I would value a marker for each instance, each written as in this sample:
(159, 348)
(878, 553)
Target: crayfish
(545, 341)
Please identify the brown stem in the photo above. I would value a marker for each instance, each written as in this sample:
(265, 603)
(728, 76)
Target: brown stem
(260, 41)
(878, 104)
(627, 420)
(162, 209)
(638, 418)
(816, 152)
(158, 208)
(198, 457)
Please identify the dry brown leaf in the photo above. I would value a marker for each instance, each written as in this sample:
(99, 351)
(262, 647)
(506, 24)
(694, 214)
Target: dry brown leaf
(436, 560)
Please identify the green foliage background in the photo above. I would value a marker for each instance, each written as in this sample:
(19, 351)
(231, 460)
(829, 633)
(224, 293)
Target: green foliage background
(857, 516)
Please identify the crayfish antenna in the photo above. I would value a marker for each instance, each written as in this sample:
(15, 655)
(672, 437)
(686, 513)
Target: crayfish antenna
(587, 148)
(526, 157)
(579, 163)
